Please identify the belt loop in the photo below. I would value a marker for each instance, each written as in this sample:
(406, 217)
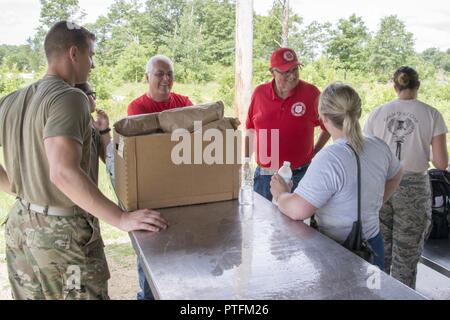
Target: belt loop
(46, 210)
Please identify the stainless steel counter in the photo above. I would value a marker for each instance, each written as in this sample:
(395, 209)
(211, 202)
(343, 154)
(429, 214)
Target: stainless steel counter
(218, 251)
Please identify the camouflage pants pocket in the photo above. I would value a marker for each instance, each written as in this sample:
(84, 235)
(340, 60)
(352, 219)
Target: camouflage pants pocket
(59, 254)
(89, 279)
(85, 282)
(12, 225)
(73, 281)
(90, 225)
(12, 237)
(24, 284)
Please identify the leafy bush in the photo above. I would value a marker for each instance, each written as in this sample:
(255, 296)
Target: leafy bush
(132, 62)
(10, 80)
(226, 87)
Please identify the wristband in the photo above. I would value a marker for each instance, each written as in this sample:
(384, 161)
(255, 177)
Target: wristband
(105, 131)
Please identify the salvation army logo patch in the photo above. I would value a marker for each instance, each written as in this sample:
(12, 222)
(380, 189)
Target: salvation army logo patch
(298, 109)
(288, 56)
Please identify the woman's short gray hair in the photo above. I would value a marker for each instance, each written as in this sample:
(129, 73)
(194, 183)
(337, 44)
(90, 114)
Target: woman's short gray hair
(151, 63)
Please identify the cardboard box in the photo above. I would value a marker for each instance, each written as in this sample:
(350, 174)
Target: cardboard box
(146, 176)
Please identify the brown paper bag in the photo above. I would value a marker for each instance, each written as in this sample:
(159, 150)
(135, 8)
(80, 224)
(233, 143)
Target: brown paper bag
(138, 125)
(223, 124)
(170, 120)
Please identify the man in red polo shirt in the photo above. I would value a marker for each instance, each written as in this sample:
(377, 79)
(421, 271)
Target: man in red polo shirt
(289, 105)
(159, 76)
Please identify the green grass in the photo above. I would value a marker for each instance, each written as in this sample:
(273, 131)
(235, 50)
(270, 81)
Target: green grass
(122, 254)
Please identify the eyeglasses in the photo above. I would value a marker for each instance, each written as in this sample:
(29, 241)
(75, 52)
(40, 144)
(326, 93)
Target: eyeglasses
(160, 75)
(93, 94)
(287, 73)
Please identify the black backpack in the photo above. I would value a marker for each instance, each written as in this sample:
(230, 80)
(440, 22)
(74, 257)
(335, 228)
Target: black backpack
(440, 196)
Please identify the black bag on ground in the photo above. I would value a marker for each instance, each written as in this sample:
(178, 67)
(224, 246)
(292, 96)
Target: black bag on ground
(440, 205)
(355, 241)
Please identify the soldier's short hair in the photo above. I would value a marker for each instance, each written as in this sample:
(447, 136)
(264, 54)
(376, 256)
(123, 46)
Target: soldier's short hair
(64, 34)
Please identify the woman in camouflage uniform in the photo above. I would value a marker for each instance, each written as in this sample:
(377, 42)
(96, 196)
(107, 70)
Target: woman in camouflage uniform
(409, 127)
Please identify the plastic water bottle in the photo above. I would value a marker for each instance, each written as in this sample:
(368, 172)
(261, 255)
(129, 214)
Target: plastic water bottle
(246, 191)
(286, 173)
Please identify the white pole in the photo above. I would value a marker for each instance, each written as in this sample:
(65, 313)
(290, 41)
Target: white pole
(243, 94)
(285, 14)
(243, 59)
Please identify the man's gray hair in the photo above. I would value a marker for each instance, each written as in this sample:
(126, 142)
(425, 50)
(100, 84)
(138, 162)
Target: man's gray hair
(151, 63)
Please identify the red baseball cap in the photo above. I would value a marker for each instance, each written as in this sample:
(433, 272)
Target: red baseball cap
(284, 59)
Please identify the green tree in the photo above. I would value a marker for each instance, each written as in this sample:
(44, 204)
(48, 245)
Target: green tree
(160, 19)
(19, 59)
(186, 46)
(268, 31)
(131, 63)
(5, 50)
(36, 57)
(147, 23)
(349, 43)
(391, 47)
(51, 12)
(121, 27)
(15, 57)
(217, 20)
(10, 80)
(311, 40)
(438, 58)
(226, 87)
(103, 78)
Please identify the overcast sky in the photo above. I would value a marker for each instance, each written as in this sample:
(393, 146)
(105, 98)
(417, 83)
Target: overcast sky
(428, 20)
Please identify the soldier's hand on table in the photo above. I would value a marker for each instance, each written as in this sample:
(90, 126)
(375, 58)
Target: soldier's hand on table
(143, 219)
(279, 186)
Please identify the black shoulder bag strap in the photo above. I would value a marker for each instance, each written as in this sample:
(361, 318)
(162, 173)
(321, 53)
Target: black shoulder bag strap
(354, 240)
(358, 164)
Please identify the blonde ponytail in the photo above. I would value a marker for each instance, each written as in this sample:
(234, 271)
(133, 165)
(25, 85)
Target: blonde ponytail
(352, 131)
(341, 104)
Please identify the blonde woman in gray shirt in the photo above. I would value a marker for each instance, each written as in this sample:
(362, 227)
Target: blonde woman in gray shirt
(329, 189)
(409, 127)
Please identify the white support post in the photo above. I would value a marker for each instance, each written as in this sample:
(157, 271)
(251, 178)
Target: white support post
(243, 58)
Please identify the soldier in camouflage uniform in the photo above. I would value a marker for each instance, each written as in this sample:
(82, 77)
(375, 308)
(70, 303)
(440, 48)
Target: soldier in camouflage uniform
(53, 245)
(409, 127)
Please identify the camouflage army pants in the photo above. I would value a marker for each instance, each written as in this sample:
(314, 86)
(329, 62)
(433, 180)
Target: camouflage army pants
(405, 222)
(51, 257)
